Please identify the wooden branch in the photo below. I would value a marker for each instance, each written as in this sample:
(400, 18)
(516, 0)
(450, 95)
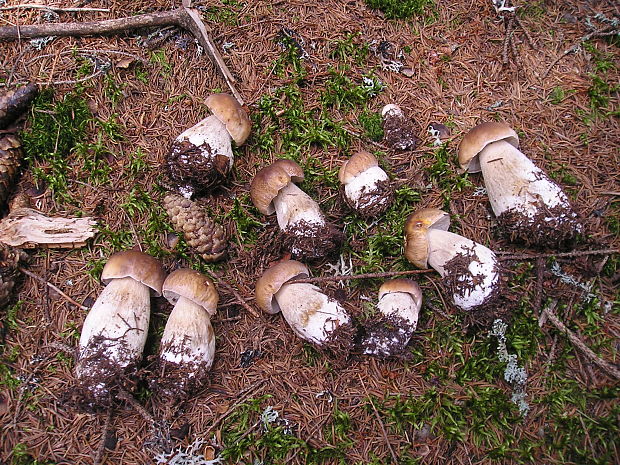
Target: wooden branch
(186, 18)
(348, 277)
(28, 228)
(34, 6)
(578, 343)
(576, 253)
(51, 286)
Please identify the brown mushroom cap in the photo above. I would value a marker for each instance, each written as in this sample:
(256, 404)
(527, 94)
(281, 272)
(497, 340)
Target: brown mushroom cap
(478, 138)
(136, 265)
(192, 285)
(402, 285)
(358, 163)
(270, 180)
(416, 229)
(272, 280)
(226, 108)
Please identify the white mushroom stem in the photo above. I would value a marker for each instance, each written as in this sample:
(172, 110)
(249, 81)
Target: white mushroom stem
(365, 183)
(443, 246)
(309, 312)
(293, 206)
(513, 182)
(400, 304)
(120, 316)
(188, 337)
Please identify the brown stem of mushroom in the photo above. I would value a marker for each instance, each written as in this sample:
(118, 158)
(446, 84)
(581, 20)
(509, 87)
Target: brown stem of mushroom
(386, 274)
(51, 286)
(578, 343)
(505, 256)
(186, 18)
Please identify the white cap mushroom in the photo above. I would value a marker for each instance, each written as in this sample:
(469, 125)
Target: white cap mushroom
(366, 186)
(399, 304)
(528, 204)
(202, 155)
(399, 133)
(115, 329)
(312, 315)
(307, 234)
(188, 343)
(470, 270)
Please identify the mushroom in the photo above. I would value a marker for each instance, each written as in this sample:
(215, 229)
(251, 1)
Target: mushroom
(188, 343)
(202, 155)
(312, 315)
(366, 186)
(399, 306)
(399, 133)
(307, 234)
(115, 329)
(528, 204)
(470, 270)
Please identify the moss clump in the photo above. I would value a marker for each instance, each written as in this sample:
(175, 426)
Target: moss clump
(399, 9)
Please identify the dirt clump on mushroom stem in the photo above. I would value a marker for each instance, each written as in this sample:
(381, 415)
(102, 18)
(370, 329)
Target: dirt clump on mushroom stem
(372, 202)
(387, 336)
(553, 227)
(311, 241)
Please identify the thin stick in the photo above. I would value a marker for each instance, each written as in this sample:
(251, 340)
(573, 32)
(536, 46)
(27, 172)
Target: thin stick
(507, 39)
(186, 18)
(576, 253)
(106, 429)
(578, 343)
(386, 274)
(240, 299)
(131, 400)
(242, 398)
(383, 431)
(33, 6)
(38, 278)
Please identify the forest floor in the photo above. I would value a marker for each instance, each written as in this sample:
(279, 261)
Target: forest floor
(314, 76)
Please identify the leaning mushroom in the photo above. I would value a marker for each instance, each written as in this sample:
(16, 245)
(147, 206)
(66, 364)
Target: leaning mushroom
(188, 343)
(399, 306)
(528, 204)
(202, 155)
(399, 133)
(470, 270)
(314, 316)
(366, 186)
(307, 234)
(115, 329)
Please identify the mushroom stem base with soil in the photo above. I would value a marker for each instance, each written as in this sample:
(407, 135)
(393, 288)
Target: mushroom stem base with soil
(310, 313)
(528, 204)
(470, 270)
(113, 335)
(369, 192)
(188, 348)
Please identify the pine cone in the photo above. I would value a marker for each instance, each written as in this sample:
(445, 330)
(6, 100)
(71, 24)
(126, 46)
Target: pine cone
(11, 155)
(14, 102)
(9, 262)
(201, 233)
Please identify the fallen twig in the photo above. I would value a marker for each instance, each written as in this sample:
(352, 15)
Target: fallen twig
(575, 47)
(184, 17)
(106, 428)
(38, 278)
(242, 397)
(240, 300)
(386, 274)
(577, 253)
(34, 6)
(378, 417)
(578, 343)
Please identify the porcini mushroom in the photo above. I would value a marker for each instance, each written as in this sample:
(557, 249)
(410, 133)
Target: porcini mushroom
(399, 133)
(202, 155)
(528, 204)
(470, 270)
(312, 315)
(188, 343)
(307, 234)
(366, 186)
(399, 305)
(115, 329)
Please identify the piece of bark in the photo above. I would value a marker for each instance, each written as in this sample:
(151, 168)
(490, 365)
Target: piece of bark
(28, 228)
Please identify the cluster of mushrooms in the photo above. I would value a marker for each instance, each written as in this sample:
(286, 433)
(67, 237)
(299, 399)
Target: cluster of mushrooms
(527, 203)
